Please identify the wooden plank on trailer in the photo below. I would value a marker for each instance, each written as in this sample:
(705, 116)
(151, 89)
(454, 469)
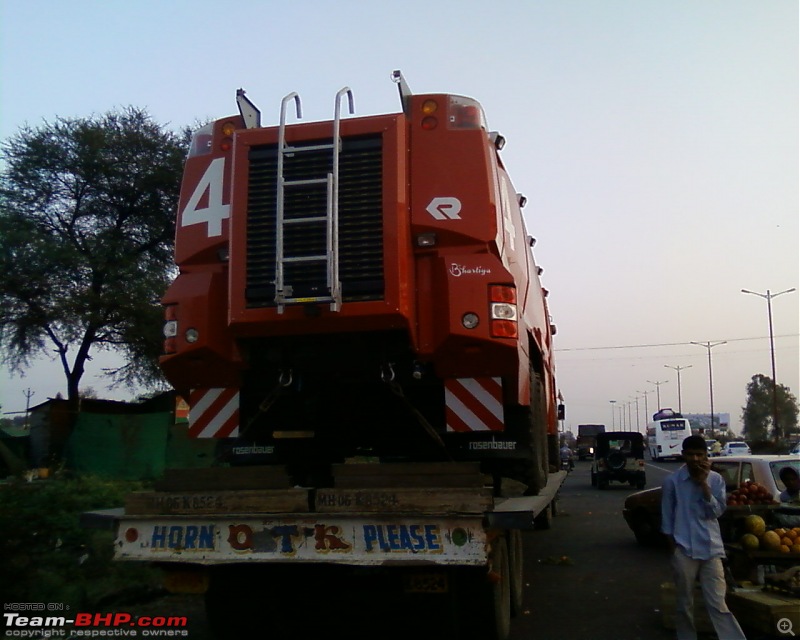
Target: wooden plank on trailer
(406, 468)
(398, 481)
(442, 500)
(221, 478)
(199, 502)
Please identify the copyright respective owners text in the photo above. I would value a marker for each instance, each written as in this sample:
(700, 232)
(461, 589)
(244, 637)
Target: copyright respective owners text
(56, 620)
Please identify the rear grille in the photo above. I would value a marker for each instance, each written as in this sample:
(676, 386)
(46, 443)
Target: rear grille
(360, 222)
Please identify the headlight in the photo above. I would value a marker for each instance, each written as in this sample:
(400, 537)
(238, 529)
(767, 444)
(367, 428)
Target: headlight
(170, 328)
(470, 320)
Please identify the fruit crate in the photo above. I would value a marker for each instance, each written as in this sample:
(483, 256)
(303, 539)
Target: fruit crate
(787, 582)
(764, 614)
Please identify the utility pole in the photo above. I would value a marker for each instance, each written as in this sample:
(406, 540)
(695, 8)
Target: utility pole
(679, 369)
(768, 297)
(28, 395)
(658, 392)
(612, 414)
(709, 346)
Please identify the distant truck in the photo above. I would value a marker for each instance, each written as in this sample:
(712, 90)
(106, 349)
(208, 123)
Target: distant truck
(585, 443)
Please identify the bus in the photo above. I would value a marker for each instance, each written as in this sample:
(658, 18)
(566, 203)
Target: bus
(666, 433)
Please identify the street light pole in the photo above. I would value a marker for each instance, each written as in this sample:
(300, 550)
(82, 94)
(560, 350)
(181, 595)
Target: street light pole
(658, 392)
(678, 369)
(768, 297)
(646, 412)
(638, 426)
(612, 414)
(709, 346)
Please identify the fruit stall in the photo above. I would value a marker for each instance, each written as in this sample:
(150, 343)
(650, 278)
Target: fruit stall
(762, 542)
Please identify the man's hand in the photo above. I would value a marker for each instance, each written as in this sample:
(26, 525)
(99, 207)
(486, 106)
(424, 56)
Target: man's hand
(700, 470)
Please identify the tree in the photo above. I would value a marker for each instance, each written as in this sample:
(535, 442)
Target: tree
(87, 210)
(757, 415)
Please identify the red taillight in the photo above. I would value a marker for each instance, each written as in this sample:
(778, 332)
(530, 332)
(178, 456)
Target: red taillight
(501, 293)
(504, 329)
(503, 311)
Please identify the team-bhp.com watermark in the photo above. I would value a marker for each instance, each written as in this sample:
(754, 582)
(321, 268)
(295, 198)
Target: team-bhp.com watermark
(53, 620)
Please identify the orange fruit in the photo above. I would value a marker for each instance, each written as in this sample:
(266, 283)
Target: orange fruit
(795, 548)
(783, 549)
(786, 541)
(780, 531)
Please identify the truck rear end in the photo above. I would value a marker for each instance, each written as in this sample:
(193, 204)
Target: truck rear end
(360, 287)
(359, 322)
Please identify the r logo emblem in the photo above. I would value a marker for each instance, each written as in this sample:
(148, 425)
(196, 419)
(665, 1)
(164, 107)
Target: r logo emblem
(445, 208)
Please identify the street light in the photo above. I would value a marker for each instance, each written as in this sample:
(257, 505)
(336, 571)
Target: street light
(646, 412)
(636, 399)
(678, 369)
(768, 297)
(612, 414)
(658, 392)
(709, 346)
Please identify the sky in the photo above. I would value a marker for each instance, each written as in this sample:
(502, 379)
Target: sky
(655, 140)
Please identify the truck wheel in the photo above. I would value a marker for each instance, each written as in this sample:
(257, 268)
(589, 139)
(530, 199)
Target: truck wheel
(538, 425)
(482, 606)
(228, 612)
(545, 519)
(516, 571)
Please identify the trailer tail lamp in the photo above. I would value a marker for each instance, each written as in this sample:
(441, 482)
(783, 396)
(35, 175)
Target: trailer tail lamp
(465, 113)
(170, 328)
(503, 311)
(226, 144)
(429, 121)
(201, 141)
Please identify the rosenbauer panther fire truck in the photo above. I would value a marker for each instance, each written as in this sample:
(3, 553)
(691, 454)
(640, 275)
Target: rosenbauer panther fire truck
(359, 321)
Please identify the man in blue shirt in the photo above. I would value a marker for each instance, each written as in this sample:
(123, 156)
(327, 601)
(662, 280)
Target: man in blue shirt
(692, 500)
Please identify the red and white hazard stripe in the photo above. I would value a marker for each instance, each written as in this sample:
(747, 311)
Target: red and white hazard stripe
(214, 413)
(474, 404)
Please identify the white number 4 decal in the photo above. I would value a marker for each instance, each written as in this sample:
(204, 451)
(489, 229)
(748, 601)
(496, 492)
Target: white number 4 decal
(215, 212)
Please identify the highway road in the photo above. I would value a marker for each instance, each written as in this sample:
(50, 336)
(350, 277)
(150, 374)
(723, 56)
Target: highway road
(586, 577)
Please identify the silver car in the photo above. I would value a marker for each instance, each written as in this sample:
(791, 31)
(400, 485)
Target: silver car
(735, 448)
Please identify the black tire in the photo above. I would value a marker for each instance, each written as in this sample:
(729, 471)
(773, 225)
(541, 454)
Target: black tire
(482, 605)
(538, 426)
(643, 529)
(516, 571)
(616, 461)
(230, 611)
(545, 519)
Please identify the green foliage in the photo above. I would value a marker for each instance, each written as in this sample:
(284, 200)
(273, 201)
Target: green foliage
(48, 557)
(758, 414)
(87, 211)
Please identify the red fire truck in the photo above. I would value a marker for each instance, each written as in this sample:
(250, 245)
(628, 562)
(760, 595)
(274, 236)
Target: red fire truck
(359, 321)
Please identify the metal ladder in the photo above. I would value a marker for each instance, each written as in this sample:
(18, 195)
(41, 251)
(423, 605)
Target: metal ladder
(283, 290)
